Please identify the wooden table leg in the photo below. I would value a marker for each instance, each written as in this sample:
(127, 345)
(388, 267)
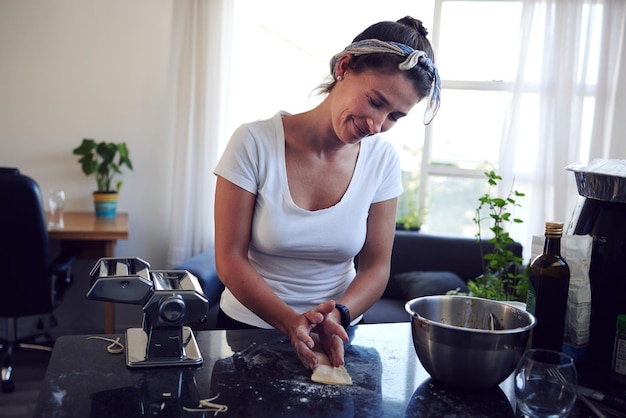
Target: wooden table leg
(109, 318)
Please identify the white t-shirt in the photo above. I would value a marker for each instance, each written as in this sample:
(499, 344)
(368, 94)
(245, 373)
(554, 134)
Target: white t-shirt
(306, 257)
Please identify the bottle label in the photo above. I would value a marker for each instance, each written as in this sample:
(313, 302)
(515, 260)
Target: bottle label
(531, 300)
(620, 356)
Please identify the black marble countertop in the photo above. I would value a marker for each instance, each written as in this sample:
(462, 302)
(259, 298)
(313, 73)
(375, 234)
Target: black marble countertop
(257, 374)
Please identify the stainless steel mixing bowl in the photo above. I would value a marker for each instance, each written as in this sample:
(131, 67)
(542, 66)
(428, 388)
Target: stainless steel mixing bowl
(467, 342)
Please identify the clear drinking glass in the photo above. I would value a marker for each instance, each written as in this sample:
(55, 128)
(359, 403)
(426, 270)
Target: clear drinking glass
(56, 204)
(545, 384)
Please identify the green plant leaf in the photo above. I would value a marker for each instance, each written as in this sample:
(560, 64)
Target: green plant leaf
(98, 158)
(501, 279)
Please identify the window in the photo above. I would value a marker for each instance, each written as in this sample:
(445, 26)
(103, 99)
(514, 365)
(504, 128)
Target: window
(477, 59)
(282, 51)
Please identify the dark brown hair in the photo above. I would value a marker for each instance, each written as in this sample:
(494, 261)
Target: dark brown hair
(408, 31)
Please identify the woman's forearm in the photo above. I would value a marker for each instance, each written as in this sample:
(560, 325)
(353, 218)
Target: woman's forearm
(254, 293)
(365, 290)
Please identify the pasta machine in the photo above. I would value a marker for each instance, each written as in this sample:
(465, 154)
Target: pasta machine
(169, 299)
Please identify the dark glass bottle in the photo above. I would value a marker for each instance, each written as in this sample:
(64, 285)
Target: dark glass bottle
(548, 290)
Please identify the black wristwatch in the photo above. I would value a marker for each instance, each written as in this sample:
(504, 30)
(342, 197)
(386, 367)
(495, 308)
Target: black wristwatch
(344, 313)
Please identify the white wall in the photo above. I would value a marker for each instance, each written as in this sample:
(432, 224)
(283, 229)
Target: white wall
(71, 69)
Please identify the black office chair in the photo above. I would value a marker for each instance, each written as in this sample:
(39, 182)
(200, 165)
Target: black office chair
(31, 283)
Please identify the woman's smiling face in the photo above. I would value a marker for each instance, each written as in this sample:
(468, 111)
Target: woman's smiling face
(370, 102)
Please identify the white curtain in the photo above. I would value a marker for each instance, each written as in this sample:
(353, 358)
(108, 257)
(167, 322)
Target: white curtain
(202, 40)
(568, 67)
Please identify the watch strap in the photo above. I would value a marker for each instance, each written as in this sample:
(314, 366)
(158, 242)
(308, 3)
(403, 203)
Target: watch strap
(344, 314)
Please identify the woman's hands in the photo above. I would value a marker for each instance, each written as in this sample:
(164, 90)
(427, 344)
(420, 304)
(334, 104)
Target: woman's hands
(331, 335)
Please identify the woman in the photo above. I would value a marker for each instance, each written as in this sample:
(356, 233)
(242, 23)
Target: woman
(299, 196)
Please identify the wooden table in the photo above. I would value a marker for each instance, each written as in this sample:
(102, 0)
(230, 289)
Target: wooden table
(95, 238)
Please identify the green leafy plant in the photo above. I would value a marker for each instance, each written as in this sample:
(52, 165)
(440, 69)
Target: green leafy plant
(412, 219)
(99, 158)
(504, 276)
(409, 216)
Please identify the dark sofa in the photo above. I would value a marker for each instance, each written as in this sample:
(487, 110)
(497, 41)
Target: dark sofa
(421, 264)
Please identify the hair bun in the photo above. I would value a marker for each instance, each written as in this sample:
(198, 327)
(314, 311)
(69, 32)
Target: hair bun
(415, 24)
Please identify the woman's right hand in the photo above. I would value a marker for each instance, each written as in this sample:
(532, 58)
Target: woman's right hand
(300, 333)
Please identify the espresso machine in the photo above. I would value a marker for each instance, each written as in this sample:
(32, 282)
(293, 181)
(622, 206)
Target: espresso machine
(601, 213)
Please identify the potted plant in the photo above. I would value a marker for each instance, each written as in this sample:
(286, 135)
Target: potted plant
(104, 160)
(409, 216)
(411, 220)
(505, 277)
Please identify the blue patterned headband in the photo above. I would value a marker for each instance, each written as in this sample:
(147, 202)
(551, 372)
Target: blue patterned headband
(413, 57)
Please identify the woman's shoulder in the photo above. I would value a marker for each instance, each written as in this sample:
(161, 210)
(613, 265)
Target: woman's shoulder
(262, 129)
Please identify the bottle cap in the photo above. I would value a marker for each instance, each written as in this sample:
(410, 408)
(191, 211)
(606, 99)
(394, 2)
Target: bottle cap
(554, 229)
(621, 323)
